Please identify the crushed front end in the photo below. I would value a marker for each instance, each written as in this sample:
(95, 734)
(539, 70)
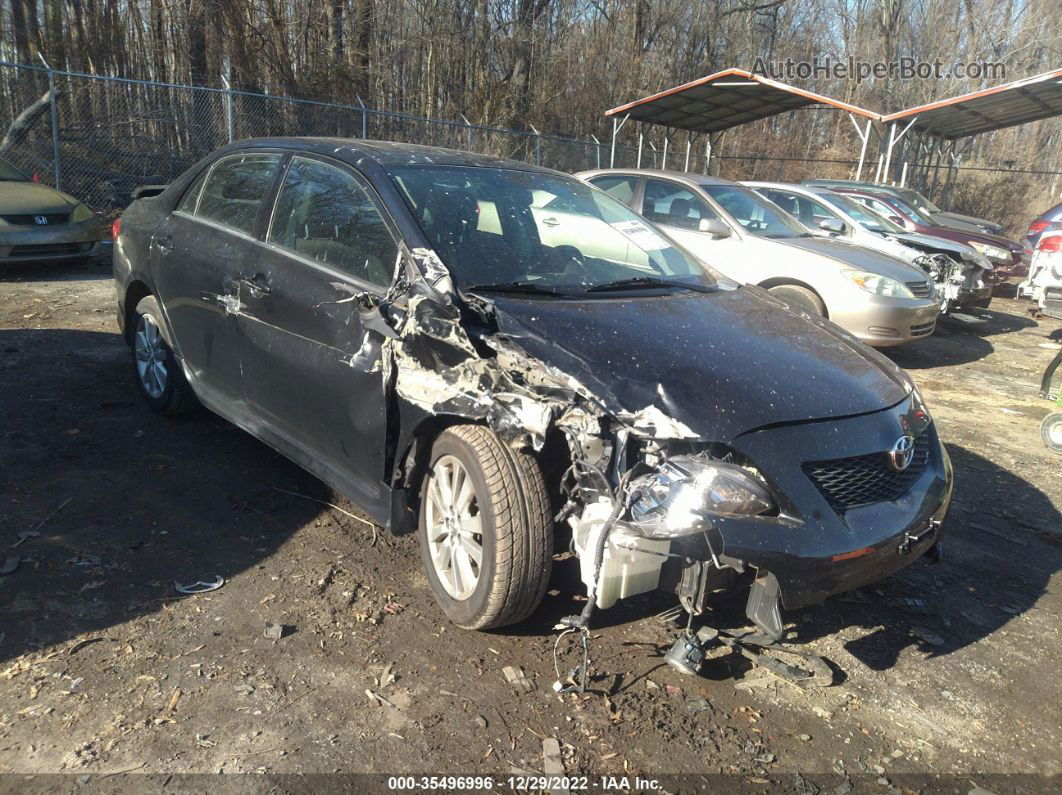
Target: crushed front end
(803, 510)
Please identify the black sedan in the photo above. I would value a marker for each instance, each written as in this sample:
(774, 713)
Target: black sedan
(487, 352)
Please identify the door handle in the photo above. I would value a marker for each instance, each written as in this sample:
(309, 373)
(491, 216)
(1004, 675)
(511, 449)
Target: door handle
(164, 244)
(550, 222)
(257, 283)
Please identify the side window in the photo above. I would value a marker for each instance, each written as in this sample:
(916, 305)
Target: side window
(324, 215)
(191, 196)
(234, 189)
(808, 211)
(673, 205)
(620, 188)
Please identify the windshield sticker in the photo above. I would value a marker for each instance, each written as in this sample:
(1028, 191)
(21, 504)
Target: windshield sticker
(641, 235)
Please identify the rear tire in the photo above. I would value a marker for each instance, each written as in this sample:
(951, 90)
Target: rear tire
(982, 303)
(799, 298)
(1051, 431)
(159, 376)
(504, 521)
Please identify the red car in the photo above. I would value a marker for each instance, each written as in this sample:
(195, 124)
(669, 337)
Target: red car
(1007, 257)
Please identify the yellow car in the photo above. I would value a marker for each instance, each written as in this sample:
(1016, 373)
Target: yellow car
(41, 224)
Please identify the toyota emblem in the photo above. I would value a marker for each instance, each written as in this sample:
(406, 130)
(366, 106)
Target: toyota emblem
(902, 453)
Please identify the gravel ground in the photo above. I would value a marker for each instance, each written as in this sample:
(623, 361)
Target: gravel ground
(105, 669)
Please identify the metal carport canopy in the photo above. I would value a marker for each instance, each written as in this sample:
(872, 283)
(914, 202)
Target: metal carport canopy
(726, 99)
(1008, 105)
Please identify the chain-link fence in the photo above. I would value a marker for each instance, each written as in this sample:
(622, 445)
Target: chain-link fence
(99, 138)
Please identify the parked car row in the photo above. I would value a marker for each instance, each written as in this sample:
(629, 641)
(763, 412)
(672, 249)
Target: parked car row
(856, 253)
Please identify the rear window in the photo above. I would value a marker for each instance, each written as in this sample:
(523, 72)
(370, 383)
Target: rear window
(234, 190)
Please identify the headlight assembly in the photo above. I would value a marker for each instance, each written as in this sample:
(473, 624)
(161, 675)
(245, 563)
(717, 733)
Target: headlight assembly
(687, 490)
(878, 284)
(81, 213)
(995, 252)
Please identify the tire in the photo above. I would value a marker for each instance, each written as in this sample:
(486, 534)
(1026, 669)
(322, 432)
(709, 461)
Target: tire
(509, 506)
(799, 298)
(1051, 431)
(158, 374)
(982, 303)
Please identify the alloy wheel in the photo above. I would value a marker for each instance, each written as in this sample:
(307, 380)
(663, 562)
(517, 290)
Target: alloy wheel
(150, 351)
(455, 528)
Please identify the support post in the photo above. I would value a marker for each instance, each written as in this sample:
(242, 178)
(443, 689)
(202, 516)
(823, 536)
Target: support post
(667, 139)
(54, 110)
(597, 148)
(365, 119)
(228, 101)
(864, 136)
(687, 166)
(640, 137)
(893, 140)
(468, 132)
(617, 125)
(708, 156)
(877, 174)
(903, 175)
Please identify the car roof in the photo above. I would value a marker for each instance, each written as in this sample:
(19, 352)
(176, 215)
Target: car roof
(681, 176)
(387, 153)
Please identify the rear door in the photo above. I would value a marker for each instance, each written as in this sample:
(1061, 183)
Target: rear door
(197, 256)
(312, 371)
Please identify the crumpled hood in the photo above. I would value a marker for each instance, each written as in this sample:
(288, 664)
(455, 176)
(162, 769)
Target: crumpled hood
(853, 255)
(941, 243)
(720, 363)
(29, 197)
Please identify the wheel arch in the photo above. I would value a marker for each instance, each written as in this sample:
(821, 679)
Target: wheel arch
(136, 291)
(778, 281)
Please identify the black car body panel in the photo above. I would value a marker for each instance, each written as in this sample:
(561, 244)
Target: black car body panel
(691, 356)
(351, 379)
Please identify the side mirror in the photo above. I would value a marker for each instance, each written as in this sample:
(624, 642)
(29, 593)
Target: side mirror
(372, 316)
(714, 227)
(833, 225)
(147, 191)
(898, 220)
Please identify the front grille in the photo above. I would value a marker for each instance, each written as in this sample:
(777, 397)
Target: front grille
(50, 219)
(920, 289)
(48, 249)
(866, 479)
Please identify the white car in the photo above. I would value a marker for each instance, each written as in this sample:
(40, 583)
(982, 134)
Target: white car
(1044, 284)
(960, 273)
(880, 299)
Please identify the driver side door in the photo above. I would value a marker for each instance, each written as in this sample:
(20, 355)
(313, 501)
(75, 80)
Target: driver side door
(313, 371)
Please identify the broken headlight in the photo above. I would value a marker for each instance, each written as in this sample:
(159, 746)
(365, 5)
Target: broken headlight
(687, 489)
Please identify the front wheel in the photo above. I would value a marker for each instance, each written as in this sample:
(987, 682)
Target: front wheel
(1051, 431)
(485, 530)
(799, 298)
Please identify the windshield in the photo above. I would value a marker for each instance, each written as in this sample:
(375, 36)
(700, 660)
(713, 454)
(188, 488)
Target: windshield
(911, 212)
(911, 196)
(759, 216)
(8, 173)
(501, 228)
(862, 214)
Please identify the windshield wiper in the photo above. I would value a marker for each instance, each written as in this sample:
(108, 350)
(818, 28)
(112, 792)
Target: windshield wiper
(639, 282)
(514, 287)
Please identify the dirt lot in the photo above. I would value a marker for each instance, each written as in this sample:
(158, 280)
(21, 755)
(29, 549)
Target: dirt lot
(104, 668)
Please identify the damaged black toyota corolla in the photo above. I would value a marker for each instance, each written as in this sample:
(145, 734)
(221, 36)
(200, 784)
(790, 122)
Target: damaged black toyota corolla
(490, 352)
